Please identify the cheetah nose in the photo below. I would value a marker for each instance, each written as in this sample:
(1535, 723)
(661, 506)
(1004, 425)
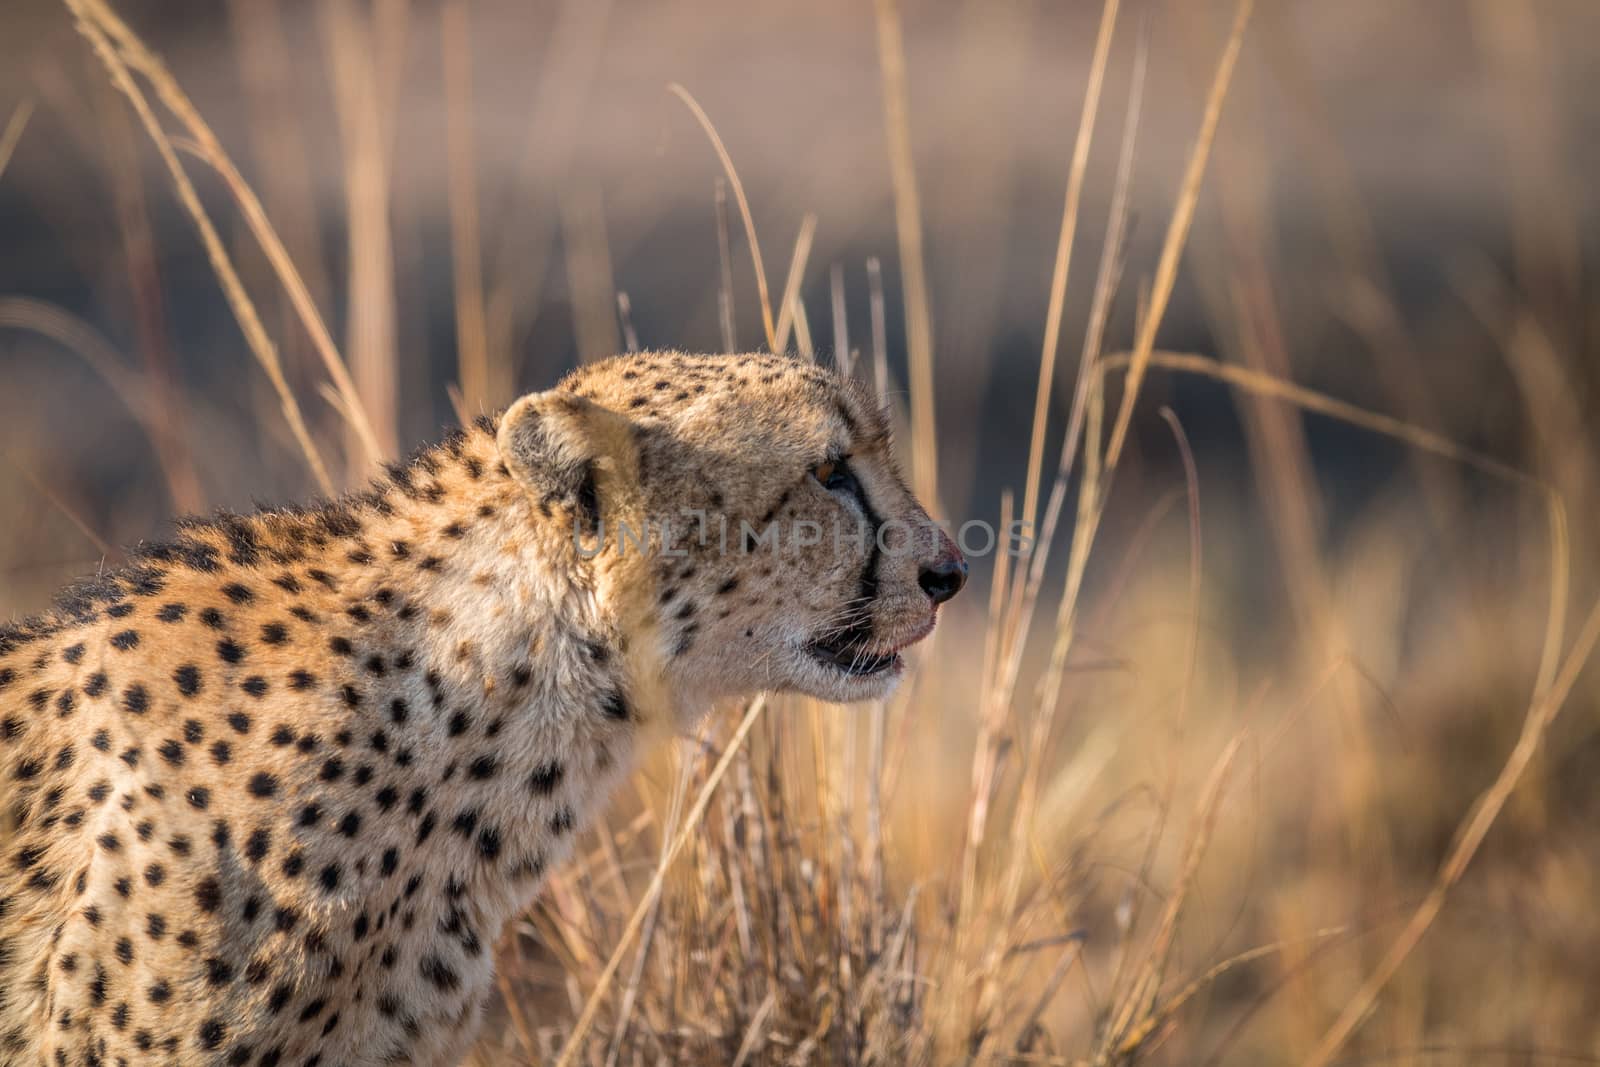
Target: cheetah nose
(943, 579)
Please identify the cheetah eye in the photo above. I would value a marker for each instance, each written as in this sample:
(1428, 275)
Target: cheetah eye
(835, 476)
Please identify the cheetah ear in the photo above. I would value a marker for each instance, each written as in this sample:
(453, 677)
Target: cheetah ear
(566, 449)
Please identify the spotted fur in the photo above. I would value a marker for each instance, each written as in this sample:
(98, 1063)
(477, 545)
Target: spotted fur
(269, 794)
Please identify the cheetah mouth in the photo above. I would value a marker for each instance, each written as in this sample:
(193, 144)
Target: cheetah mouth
(852, 657)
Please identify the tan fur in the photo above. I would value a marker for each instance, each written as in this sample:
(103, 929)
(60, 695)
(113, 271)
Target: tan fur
(268, 795)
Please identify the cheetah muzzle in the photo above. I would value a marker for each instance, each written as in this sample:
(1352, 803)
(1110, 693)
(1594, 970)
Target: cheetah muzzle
(269, 793)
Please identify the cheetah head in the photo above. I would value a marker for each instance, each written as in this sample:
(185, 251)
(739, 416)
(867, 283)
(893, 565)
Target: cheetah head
(753, 505)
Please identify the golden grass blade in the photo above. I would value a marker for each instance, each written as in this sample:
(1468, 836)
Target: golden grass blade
(880, 331)
(913, 266)
(1063, 263)
(1030, 579)
(744, 207)
(1178, 232)
(353, 44)
(1546, 706)
(12, 135)
(466, 248)
(752, 1033)
(842, 356)
(1260, 383)
(802, 331)
(725, 318)
(233, 289)
(580, 1029)
(589, 276)
(630, 992)
(630, 337)
(791, 287)
(130, 51)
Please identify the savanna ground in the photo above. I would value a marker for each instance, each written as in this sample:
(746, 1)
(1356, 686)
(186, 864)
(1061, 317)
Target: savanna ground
(1278, 325)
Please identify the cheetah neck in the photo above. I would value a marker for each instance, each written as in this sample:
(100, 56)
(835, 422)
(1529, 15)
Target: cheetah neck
(410, 699)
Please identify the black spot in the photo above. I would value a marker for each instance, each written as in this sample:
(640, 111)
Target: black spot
(459, 723)
(172, 612)
(172, 752)
(237, 593)
(561, 822)
(329, 878)
(391, 860)
(198, 797)
(95, 684)
(483, 767)
(188, 679)
(340, 646)
(240, 722)
(615, 706)
(212, 618)
(212, 1033)
(439, 975)
(218, 971)
(256, 845)
(73, 653)
(302, 680)
(221, 752)
(350, 825)
(294, 864)
(333, 769)
(134, 700)
(255, 685)
(160, 992)
(263, 785)
(489, 842)
(229, 650)
(398, 710)
(387, 797)
(125, 640)
(155, 874)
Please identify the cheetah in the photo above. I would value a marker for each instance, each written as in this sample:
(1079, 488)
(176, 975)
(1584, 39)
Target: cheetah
(269, 794)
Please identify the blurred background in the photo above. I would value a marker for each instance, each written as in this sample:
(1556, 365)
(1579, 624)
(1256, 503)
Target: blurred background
(1396, 213)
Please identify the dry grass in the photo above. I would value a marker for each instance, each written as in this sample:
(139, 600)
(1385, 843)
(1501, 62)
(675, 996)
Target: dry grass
(1133, 811)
